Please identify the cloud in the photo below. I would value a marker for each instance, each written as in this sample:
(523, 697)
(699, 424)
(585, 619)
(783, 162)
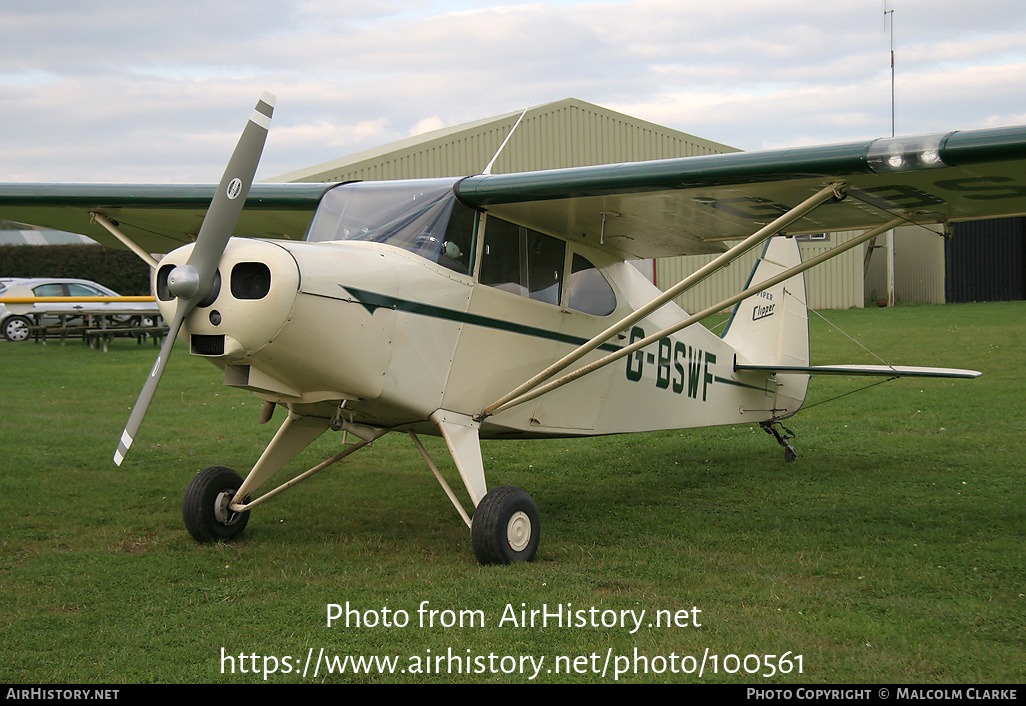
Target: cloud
(427, 125)
(153, 92)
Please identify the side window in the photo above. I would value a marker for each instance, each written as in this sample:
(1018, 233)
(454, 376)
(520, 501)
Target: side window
(589, 290)
(49, 290)
(82, 290)
(522, 261)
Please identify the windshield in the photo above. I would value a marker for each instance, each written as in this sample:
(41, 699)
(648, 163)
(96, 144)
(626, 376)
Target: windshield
(419, 215)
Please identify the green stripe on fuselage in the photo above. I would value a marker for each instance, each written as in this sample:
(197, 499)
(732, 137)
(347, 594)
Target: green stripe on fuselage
(373, 300)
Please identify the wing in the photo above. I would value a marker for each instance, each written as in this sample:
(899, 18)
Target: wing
(157, 217)
(690, 205)
(648, 209)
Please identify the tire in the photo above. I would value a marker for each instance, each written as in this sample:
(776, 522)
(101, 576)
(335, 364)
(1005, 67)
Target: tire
(205, 505)
(506, 527)
(16, 328)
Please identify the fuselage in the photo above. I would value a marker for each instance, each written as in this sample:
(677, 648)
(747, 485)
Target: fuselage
(450, 314)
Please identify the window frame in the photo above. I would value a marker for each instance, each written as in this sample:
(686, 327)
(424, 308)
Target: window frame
(570, 251)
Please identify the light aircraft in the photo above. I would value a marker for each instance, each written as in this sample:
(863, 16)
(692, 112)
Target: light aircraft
(503, 305)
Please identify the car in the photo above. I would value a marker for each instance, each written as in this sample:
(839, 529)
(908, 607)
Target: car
(14, 325)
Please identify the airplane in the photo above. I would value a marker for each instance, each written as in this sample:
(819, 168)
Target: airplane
(504, 305)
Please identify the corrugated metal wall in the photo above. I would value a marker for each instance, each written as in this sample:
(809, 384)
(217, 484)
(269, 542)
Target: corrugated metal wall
(918, 267)
(836, 284)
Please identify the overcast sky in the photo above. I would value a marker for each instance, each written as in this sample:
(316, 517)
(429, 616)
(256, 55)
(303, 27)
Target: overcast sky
(129, 91)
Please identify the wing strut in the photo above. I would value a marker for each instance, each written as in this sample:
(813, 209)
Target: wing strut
(834, 191)
(125, 240)
(705, 313)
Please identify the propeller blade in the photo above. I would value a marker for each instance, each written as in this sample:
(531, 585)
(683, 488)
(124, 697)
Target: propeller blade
(192, 282)
(149, 387)
(228, 202)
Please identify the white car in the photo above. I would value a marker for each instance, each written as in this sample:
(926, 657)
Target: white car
(15, 327)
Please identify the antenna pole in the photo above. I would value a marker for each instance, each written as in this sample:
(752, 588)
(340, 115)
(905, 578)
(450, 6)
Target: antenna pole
(488, 169)
(891, 13)
(890, 233)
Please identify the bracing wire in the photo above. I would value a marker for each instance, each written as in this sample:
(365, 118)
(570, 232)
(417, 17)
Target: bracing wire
(853, 340)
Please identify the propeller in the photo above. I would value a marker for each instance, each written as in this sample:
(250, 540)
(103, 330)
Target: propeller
(192, 282)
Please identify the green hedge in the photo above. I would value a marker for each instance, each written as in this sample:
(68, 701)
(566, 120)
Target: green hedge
(121, 270)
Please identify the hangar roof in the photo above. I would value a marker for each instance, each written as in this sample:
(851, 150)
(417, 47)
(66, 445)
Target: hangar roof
(566, 133)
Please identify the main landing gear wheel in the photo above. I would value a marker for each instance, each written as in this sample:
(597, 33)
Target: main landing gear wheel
(506, 527)
(205, 505)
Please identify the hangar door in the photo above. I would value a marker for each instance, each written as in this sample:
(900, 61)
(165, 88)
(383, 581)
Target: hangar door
(986, 261)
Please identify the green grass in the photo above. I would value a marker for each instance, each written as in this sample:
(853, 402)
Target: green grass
(892, 551)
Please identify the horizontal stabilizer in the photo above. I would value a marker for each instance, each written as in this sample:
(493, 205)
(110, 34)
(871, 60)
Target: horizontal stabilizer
(884, 370)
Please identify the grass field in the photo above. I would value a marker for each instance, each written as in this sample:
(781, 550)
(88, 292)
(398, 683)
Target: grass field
(891, 551)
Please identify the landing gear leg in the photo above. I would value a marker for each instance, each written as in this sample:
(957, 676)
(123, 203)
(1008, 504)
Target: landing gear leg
(784, 439)
(506, 526)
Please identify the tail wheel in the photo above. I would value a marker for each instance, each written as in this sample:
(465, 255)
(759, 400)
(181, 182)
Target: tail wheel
(506, 527)
(205, 505)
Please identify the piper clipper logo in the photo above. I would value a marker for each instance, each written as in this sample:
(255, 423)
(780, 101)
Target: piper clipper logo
(234, 188)
(761, 311)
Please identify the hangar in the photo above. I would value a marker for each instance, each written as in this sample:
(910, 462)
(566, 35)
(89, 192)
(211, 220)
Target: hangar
(977, 261)
(572, 133)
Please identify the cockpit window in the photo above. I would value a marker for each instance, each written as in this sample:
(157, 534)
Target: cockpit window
(422, 216)
(589, 290)
(522, 261)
